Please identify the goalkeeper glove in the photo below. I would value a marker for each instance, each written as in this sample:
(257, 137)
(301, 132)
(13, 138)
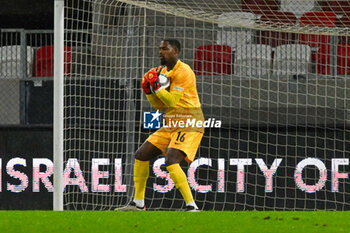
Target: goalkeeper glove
(145, 86)
(152, 78)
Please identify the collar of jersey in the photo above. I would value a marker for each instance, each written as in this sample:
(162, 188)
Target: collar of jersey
(168, 73)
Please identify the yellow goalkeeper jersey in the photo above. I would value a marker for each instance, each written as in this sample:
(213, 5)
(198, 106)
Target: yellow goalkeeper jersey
(183, 81)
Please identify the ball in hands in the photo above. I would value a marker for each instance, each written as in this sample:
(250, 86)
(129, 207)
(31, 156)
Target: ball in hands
(163, 80)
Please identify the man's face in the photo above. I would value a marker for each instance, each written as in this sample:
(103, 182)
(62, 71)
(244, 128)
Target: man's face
(167, 53)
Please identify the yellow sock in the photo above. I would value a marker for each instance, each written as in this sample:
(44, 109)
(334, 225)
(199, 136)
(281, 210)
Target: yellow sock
(180, 180)
(141, 173)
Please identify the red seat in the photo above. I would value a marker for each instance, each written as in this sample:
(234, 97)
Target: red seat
(343, 56)
(323, 59)
(318, 18)
(338, 7)
(343, 59)
(277, 38)
(343, 22)
(260, 7)
(45, 61)
(213, 59)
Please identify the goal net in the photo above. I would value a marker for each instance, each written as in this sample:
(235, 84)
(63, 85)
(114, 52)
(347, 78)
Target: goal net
(274, 73)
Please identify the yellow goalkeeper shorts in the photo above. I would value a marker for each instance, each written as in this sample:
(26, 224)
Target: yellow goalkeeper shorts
(187, 142)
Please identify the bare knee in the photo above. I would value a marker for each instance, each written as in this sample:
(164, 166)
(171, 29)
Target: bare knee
(140, 156)
(170, 161)
(147, 151)
(174, 156)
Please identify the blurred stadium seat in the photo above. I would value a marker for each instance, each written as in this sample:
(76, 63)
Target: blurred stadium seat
(297, 7)
(239, 37)
(213, 59)
(320, 19)
(338, 7)
(282, 19)
(253, 61)
(343, 56)
(292, 59)
(45, 61)
(343, 22)
(343, 59)
(260, 7)
(10, 61)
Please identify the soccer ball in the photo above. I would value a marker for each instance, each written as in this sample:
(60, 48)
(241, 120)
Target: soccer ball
(164, 81)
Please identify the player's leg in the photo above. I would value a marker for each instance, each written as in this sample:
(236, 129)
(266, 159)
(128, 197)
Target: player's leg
(172, 163)
(146, 152)
(155, 145)
(182, 146)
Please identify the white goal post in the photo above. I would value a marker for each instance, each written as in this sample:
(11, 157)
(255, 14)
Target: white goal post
(275, 75)
(58, 103)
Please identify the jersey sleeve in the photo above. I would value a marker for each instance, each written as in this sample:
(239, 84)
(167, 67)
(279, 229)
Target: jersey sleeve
(170, 99)
(155, 101)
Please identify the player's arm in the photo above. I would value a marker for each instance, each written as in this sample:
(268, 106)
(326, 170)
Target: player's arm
(170, 99)
(155, 101)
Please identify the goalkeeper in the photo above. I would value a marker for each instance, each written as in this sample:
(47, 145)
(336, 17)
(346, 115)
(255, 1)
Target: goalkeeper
(177, 143)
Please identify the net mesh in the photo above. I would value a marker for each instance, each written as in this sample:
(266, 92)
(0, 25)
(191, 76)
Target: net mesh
(274, 73)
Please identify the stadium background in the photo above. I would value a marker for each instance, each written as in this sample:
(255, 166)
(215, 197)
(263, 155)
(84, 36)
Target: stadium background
(24, 134)
(26, 131)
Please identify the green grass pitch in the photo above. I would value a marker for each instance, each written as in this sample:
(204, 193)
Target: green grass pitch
(166, 221)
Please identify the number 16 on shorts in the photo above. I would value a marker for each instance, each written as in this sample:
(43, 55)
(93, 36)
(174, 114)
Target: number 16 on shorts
(180, 138)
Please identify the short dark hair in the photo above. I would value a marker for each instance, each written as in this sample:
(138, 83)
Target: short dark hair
(174, 43)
